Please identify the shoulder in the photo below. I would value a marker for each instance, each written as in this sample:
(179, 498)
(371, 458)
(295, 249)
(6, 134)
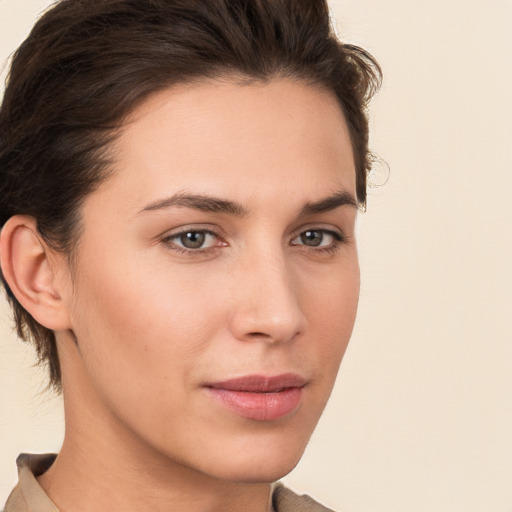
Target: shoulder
(28, 496)
(15, 501)
(285, 500)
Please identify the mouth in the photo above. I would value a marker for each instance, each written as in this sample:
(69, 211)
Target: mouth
(259, 397)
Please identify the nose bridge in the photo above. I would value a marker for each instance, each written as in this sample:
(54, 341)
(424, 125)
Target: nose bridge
(268, 303)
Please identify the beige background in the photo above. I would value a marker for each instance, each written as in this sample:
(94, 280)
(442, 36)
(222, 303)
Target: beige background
(421, 419)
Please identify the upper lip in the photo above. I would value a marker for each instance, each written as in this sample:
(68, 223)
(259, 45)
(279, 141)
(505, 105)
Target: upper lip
(260, 383)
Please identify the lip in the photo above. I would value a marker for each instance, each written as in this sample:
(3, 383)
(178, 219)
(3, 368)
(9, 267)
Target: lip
(259, 397)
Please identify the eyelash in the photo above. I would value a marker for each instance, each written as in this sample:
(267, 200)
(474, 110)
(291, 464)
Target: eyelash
(338, 239)
(168, 240)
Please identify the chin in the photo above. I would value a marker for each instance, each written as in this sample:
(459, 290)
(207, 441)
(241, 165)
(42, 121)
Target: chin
(267, 474)
(263, 453)
(265, 466)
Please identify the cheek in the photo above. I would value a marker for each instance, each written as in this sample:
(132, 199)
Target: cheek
(134, 324)
(332, 312)
(142, 341)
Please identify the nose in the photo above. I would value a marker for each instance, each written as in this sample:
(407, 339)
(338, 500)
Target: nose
(267, 303)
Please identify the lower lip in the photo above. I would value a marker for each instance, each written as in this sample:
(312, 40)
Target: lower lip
(259, 406)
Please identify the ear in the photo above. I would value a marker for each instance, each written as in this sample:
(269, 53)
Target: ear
(34, 273)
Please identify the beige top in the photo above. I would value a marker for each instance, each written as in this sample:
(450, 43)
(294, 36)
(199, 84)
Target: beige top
(28, 496)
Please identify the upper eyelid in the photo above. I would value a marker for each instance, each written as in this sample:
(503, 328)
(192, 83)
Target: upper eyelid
(315, 227)
(169, 241)
(179, 233)
(186, 229)
(338, 236)
(218, 232)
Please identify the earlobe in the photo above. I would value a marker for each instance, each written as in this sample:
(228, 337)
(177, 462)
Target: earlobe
(30, 269)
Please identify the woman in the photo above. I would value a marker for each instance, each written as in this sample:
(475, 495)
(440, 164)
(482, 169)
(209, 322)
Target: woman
(180, 182)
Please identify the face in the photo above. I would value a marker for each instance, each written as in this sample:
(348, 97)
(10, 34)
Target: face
(217, 279)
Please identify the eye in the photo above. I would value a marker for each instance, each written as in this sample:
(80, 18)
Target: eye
(321, 238)
(193, 239)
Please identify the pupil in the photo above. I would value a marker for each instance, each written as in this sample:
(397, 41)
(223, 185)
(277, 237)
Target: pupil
(193, 239)
(312, 238)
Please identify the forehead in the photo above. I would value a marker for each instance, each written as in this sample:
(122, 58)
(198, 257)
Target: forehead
(223, 138)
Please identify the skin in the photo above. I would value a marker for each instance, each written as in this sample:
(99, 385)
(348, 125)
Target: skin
(145, 322)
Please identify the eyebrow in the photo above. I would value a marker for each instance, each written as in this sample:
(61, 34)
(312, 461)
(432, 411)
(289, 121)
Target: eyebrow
(216, 205)
(342, 198)
(198, 202)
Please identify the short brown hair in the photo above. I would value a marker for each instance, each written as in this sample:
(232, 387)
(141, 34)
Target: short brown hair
(88, 63)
